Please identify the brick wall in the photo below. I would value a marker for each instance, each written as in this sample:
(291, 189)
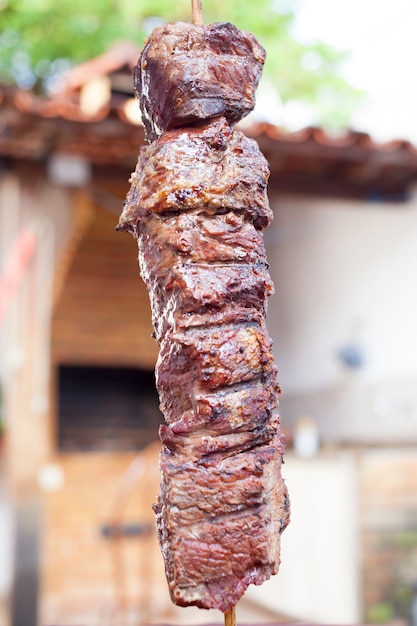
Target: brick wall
(83, 572)
(102, 315)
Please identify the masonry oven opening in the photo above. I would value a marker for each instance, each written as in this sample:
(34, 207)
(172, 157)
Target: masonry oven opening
(106, 408)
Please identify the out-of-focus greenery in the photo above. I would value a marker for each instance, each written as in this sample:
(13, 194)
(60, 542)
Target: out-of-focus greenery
(400, 596)
(39, 39)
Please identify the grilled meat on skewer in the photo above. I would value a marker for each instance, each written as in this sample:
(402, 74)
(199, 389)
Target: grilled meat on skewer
(197, 206)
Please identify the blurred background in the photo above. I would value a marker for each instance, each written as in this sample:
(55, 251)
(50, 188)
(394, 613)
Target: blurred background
(79, 415)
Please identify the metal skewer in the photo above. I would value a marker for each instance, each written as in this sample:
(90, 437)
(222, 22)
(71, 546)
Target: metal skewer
(197, 18)
(230, 617)
(197, 11)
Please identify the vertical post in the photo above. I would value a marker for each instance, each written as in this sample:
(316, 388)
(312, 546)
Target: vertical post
(24, 371)
(25, 594)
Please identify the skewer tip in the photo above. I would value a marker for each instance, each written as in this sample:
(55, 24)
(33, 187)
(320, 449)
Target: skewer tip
(230, 617)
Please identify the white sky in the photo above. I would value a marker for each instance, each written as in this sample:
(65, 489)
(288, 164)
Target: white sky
(382, 38)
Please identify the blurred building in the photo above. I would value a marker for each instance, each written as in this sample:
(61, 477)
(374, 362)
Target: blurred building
(77, 357)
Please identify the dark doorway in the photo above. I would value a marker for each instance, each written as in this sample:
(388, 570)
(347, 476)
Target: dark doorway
(106, 408)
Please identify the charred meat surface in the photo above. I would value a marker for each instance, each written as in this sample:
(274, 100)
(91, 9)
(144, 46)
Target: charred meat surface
(197, 206)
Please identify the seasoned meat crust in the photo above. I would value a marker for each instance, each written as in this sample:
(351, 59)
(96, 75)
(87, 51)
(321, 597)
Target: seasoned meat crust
(209, 167)
(197, 236)
(188, 73)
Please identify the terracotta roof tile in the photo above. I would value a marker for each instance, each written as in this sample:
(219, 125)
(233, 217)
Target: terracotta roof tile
(121, 54)
(26, 102)
(32, 127)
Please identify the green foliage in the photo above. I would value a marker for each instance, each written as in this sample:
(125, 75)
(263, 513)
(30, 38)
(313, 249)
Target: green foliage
(381, 613)
(399, 596)
(407, 540)
(41, 38)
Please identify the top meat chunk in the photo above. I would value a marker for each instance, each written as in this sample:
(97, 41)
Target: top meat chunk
(189, 73)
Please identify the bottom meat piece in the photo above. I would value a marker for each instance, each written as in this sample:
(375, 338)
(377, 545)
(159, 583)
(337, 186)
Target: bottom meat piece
(220, 523)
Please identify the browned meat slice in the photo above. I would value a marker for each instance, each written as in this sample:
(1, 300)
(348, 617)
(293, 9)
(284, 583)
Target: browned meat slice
(205, 445)
(190, 72)
(216, 356)
(209, 359)
(188, 289)
(198, 237)
(228, 410)
(194, 273)
(220, 524)
(209, 167)
(198, 286)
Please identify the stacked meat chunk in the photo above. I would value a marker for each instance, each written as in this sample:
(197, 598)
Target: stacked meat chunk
(197, 205)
